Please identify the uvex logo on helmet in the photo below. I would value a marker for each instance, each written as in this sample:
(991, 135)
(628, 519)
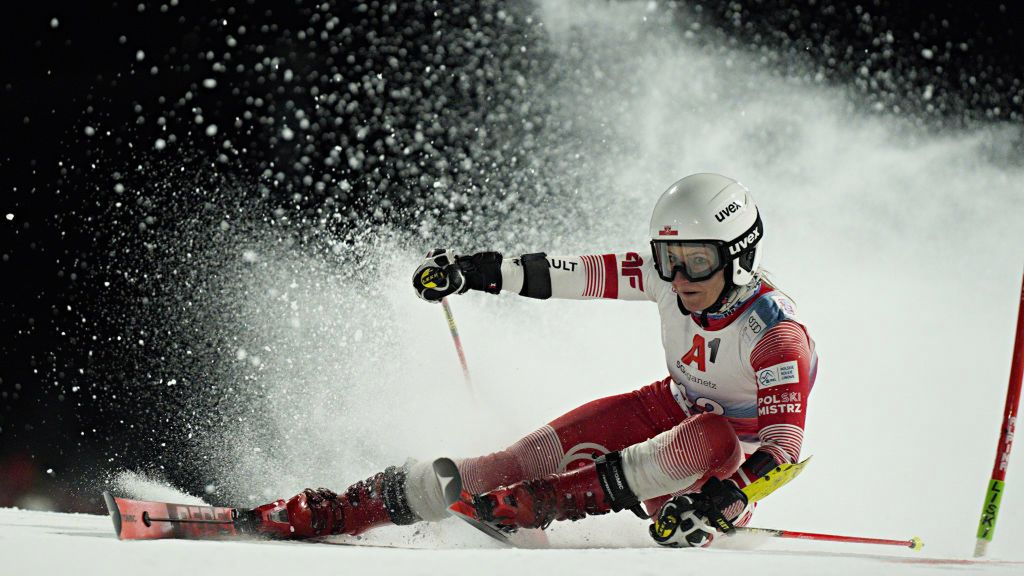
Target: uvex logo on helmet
(745, 242)
(727, 211)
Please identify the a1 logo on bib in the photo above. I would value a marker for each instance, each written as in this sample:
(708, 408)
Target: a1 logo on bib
(434, 278)
(779, 374)
(696, 354)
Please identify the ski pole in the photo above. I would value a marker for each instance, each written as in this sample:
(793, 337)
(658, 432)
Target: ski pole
(458, 345)
(994, 494)
(914, 543)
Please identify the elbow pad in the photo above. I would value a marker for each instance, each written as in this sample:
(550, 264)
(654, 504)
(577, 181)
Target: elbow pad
(536, 276)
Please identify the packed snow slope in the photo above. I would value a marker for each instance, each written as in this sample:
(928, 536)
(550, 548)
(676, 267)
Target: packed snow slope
(53, 543)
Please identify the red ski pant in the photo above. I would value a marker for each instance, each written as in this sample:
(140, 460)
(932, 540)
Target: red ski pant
(703, 444)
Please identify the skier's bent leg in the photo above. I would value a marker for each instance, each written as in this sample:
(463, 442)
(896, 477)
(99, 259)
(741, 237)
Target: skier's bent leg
(409, 494)
(573, 440)
(678, 460)
(577, 437)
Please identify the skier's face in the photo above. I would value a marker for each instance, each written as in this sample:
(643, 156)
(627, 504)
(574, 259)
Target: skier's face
(697, 296)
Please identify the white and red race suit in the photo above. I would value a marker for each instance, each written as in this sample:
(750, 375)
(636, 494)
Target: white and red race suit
(754, 364)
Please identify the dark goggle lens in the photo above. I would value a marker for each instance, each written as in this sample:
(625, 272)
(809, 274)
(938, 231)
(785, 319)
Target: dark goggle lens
(696, 260)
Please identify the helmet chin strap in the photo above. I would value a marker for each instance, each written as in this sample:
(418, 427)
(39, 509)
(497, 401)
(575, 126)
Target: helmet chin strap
(728, 289)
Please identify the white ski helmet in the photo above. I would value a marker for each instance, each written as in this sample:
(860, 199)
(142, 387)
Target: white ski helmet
(705, 223)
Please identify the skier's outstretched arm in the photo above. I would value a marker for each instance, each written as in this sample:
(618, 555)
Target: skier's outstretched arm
(625, 276)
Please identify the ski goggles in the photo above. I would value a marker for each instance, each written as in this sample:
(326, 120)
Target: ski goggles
(699, 260)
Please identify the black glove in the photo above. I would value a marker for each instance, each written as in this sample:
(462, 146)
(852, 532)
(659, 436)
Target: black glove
(693, 519)
(442, 274)
(482, 271)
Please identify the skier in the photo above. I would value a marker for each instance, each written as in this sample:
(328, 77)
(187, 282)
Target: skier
(732, 408)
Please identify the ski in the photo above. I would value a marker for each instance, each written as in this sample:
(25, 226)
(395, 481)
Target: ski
(150, 520)
(147, 520)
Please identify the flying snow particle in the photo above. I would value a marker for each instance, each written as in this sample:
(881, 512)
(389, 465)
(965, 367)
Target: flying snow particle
(90, 131)
(287, 133)
(54, 23)
(927, 53)
(249, 256)
(140, 56)
(10, 216)
(210, 83)
(160, 144)
(211, 130)
(50, 471)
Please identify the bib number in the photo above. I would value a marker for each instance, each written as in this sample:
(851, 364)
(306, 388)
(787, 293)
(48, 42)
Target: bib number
(709, 405)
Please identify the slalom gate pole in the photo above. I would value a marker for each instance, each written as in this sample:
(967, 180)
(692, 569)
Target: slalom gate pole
(914, 543)
(994, 493)
(458, 345)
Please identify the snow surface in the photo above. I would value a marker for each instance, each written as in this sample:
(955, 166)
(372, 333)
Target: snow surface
(55, 543)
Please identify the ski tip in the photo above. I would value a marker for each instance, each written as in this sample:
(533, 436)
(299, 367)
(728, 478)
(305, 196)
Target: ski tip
(115, 512)
(916, 543)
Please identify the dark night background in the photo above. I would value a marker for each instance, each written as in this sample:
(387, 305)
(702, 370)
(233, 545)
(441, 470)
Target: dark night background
(111, 127)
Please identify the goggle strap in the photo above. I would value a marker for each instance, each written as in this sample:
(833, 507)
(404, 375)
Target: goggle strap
(745, 241)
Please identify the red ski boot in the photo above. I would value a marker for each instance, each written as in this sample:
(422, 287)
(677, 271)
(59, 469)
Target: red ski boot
(378, 500)
(591, 490)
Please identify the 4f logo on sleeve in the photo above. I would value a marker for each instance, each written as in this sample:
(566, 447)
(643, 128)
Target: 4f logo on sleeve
(631, 269)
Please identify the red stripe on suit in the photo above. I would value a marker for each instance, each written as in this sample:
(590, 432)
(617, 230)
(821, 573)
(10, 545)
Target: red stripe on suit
(611, 276)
